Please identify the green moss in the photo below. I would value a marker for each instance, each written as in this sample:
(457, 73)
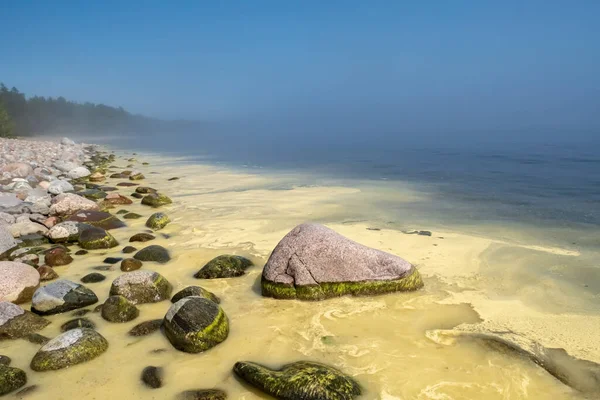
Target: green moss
(158, 221)
(96, 238)
(156, 200)
(202, 394)
(224, 266)
(325, 290)
(11, 379)
(119, 309)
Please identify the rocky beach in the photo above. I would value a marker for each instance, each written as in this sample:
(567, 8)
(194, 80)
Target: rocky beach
(138, 276)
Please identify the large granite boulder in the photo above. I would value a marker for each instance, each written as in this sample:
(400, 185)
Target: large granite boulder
(194, 324)
(142, 287)
(100, 219)
(70, 348)
(61, 296)
(224, 266)
(7, 242)
(18, 281)
(16, 322)
(68, 203)
(11, 379)
(313, 262)
(300, 380)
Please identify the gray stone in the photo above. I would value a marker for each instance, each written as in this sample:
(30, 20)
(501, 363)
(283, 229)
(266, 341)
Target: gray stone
(79, 172)
(7, 241)
(6, 218)
(60, 186)
(65, 166)
(153, 253)
(119, 309)
(153, 377)
(68, 203)
(142, 287)
(17, 323)
(18, 281)
(61, 296)
(28, 227)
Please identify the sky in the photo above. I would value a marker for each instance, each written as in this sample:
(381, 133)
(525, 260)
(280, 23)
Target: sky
(433, 68)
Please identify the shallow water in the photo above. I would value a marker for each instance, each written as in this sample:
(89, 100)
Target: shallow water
(531, 280)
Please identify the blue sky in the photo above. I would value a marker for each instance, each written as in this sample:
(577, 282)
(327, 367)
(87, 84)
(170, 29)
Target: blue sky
(419, 66)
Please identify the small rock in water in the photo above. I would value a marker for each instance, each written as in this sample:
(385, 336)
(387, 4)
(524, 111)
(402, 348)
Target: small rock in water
(194, 291)
(145, 190)
(224, 266)
(99, 219)
(63, 232)
(132, 216)
(11, 379)
(5, 360)
(300, 380)
(141, 237)
(80, 313)
(47, 273)
(137, 195)
(158, 221)
(122, 212)
(112, 260)
(16, 322)
(153, 377)
(81, 252)
(153, 253)
(202, 394)
(173, 178)
(103, 268)
(125, 184)
(130, 264)
(146, 328)
(57, 257)
(128, 250)
(136, 176)
(61, 296)
(77, 323)
(36, 338)
(119, 309)
(93, 238)
(156, 200)
(116, 198)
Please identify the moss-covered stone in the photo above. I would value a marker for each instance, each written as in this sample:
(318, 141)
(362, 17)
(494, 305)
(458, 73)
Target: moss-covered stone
(145, 190)
(142, 287)
(93, 277)
(122, 212)
(224, 266)
(412, 281)
(202, 394)
(156, 200)
(11, 379)
(303, 380)
(154, 253)
(99, 219)
(158, 221)
(195, 291)
(194, 324)
(70, 348)
(146, 328)
(93, 194)
(77, 323)
(36, 338)
(61, 296)
(136, 176)
(132, 215)
(153, 377)
(96, 238)
(141, 237)
(16, 323)
(119, 309)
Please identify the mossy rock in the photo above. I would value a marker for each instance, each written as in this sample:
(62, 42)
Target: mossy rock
(118, 309)
(99, 219)
(156, 200)
(77, 323)
(224, 266)
(70, 348)
(36, 338)
(94, 238)
(118, 176)
(142, 287)
(146, 328)
(154, 253)
(145, 190)
(194, 324)
(326, 290)
(92, 194)
(122, 212)
(303, 380)
(202, 394)
(141, 237)
(32, 240)
(158, 221)
(136, 176)
(93, 277)
(175, 178)
(16, 323)
(195, 291)
(11, 379)
(132, 215)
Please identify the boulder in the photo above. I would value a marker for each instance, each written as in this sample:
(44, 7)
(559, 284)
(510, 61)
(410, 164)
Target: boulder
(130, 264)
(153, 253)
(195, 291)
(18, 170)
(69, 203)
(156, 200)
(158, 221)
(146, 328)
(59, 186)
(70, 348)
(300, 380)
(93, 238)
(61, 296)
(11, 379)
(202, 394)
(57, 257)
(313, 262)
(142, 287)
(118, 309)
(194, 324)
(224, 266)
(16, 323)
(64, 232)
(99, 219)
(138, 237)
(18, 281)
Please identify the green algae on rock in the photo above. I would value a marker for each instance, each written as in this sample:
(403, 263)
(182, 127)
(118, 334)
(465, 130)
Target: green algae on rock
(136, 176)
(195, 291)
(132, 215)
(142, 287)
(94, 238)
(70, 348)
(16, 322)
(194, 324)
(158, 221)
(118, 309)
(224, 266)
(153, 253)
(303, 380)
(145, 190)
(146, 328)
(202, 394)
(11, 379)
(156, 200)
(99, 219)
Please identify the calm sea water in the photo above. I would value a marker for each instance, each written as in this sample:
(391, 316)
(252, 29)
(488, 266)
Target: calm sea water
(540, 183)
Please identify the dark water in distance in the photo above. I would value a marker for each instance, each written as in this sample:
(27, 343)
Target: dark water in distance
(548, 183)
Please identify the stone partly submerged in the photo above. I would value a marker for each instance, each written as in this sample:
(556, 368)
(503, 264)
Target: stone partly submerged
(154, 253)
(195, 291)
(18, 281)
(194, 324)
(61, 296)
(94, 238)
(70, 348)
(202, 394)
(301, 380)
(156, 200)
(142, 287)
(158, 221)
(146, 328)
(99, 219)
(11, 379)
(224, 266)
(119, 309)
(16, 323)
(313, 262)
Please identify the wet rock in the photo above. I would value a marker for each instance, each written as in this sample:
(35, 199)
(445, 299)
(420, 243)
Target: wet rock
(108, 188)
(153, 377)
(5, 360)
(81, 252)
(173, 179)
(11, 379)
(92, 194)
(313, 262)
(128, 250)
(77, 323)
(64, 232)
(300, 380)
(112, 260)
(18, 281)
(146, 328)
(130, 264)
(26, 228)
(142, 287)
(156, 200)
(122, 212)
(6, 218)
(70, 348)
(80, 313)
(32, 240)
(132, 216)
(118, 176)
(194, 324)
(61, 296)
(69, 203)
(96, 177)
(29, 259)
(116, 199)
(141, 237)
(224, 266)
(158, 221)
(16, 322)
(36, 338)
(93, 277)
(103, 268)
(125, 184)
(47, 273)
(7, 242)
(57, 257)
(136, 176)
(202, 394)
(420, 233)
(195, 291)
(118, 309)
(145, 190)
(93, 238)
(18, 169)
(154, 253)
(99, 219)
(137, 195)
